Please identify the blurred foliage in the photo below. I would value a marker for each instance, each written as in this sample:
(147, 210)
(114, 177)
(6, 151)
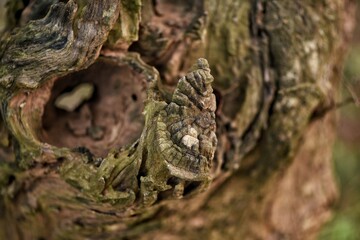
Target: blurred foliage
(345, 224)
(351, 69)
(346, 221)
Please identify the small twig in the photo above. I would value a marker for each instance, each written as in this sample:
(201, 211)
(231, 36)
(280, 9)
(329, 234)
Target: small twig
(354, 96)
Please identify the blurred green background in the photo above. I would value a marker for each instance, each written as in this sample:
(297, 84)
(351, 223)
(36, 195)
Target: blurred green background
(345, 224)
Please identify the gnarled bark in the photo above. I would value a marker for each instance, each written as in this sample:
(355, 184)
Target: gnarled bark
(241, 153)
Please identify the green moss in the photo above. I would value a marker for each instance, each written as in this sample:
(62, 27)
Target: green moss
(126, 28)
(132, 6)
(5, 172)
(342, 228)
(228, 40)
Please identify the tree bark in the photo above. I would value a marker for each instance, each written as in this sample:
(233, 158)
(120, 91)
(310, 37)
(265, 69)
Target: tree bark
(143, 153)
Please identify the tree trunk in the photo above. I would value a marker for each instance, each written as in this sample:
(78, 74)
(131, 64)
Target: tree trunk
(113, 126)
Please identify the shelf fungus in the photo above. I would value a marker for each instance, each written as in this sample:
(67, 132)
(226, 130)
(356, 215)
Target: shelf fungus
(181, 138)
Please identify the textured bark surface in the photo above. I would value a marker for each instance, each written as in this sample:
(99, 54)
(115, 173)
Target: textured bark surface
(140, 157)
